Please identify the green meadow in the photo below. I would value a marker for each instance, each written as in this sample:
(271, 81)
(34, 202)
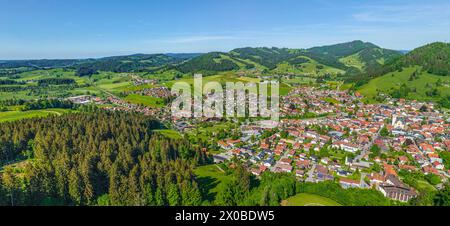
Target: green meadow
(172, 134)
(9, 116)
(148, 101)
(304, 199)
(353, 61)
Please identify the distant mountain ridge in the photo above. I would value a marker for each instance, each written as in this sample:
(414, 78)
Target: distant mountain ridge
(114, 63)
(351, 58)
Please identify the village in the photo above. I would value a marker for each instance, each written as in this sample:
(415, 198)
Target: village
(341, 139)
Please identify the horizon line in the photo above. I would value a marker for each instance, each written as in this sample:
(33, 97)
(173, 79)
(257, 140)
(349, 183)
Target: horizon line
(194, 52)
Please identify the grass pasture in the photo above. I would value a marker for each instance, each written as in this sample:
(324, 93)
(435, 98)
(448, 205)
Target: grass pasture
(148, 101)
(304, 199)
(353, 61)
(172, 134)
(9, 116)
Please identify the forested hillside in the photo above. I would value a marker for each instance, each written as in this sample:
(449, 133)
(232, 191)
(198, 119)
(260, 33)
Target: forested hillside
(343, 49)
(434, 58)
(100, 158)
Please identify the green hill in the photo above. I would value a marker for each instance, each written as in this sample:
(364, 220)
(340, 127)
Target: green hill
(411, 83)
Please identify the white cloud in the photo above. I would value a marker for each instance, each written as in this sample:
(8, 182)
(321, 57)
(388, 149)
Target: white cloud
(403, 13)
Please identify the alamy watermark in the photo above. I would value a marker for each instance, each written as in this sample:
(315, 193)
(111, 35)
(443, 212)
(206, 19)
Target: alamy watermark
(232, 100)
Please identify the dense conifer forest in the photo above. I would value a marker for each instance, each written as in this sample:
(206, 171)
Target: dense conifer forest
(96, 158)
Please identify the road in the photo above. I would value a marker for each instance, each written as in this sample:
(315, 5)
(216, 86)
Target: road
(311, 174)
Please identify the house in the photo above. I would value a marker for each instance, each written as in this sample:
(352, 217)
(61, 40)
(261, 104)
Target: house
(438, 165)
(303, 164)
(325, 160)
(224, 145)
(297, 146)
(283, 168)
(261, 155)
(408, 168)
(232, 143)
(322, 173)
(426, 147)
(263, 168)
(343, 173)
(402, 159)
(220, 158)
(299, 173)
(269, 162)
(348, 183)
(256, 171)
(362, 165)
(264, 146)
(376, 179)
(285, 161)
(348, 147)
(291, 153)
(389, 170)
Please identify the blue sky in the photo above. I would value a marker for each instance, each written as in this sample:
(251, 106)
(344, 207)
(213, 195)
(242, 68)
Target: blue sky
(31, 29)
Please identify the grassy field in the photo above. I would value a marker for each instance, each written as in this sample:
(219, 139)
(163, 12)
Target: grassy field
(353, 61)
(18, 115)
(425, 186)
(207, 133)
(299, 80)
(148, 101)
(304, 199)
(311, 68)
(131, 88)
(172, 134)
(425, 82)
(114, 86)
(210, 177)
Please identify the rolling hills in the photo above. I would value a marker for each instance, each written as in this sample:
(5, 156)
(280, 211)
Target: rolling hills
(317, 61)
